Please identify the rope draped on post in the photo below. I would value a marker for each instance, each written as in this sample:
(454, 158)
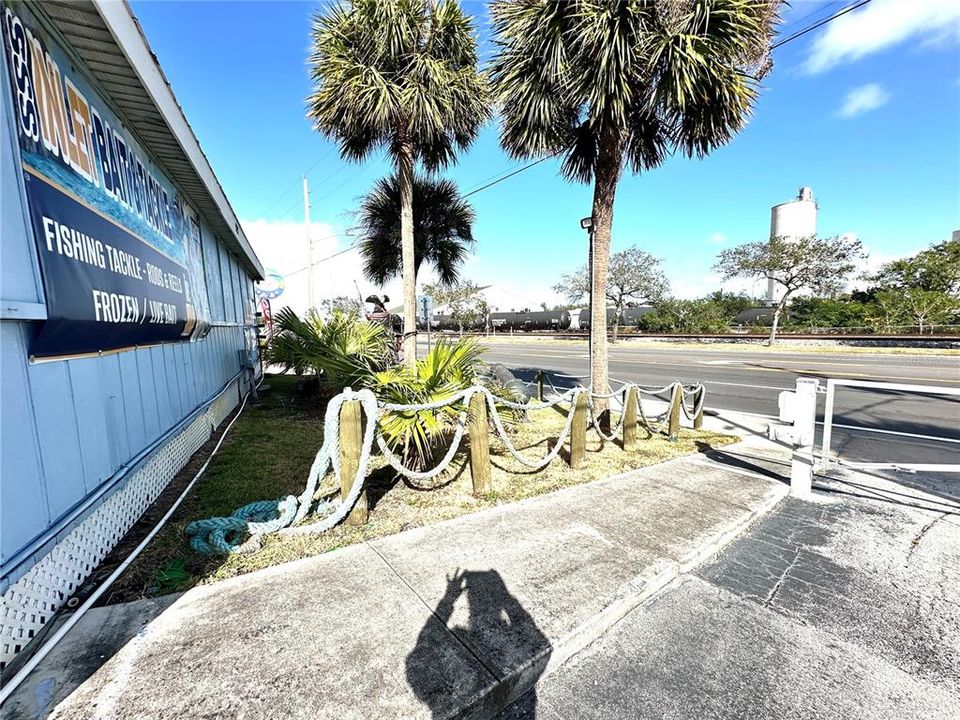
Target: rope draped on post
(225, 534)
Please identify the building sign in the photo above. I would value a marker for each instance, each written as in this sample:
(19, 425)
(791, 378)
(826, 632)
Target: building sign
(119, 247)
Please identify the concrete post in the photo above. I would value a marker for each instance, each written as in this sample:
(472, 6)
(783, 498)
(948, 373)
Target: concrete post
(351, 441)
(804, 426)
(698, 401)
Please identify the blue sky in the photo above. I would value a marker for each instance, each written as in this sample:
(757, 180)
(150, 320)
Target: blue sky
(865, 110)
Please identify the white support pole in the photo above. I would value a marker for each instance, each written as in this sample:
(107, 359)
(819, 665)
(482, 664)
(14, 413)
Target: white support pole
(828, 421)
(804, 426)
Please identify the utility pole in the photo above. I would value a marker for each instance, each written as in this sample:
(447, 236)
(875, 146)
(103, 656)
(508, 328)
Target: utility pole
(306, 221)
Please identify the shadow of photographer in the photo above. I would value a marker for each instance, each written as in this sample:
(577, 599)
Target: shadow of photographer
(497, 631)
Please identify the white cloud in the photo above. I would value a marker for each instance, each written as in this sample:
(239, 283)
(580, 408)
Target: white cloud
(282, 247)
(718, 238)
(863, 99)
(881, 25)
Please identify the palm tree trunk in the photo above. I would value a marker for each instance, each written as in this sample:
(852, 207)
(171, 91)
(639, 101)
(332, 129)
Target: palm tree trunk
(408, 255)
(606, 176)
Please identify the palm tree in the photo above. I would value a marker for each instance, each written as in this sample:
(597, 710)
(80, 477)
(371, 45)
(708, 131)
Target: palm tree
(609, 83)
(399, 75)
(442, 229)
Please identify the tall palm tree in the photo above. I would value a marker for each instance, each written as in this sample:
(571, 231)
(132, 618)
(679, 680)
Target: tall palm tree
(609, 83)
(399, 75)
(442, 229)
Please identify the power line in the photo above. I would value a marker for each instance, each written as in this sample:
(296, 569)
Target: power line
(297, 181)
(329, 257)
(515, 172)
(821, 23)
(497, 181)
(819, 11)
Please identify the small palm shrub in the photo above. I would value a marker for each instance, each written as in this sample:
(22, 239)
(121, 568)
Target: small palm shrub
(342, 350)
(419, 437)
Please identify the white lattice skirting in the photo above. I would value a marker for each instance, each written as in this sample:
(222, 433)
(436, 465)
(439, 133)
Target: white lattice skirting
(32, 600)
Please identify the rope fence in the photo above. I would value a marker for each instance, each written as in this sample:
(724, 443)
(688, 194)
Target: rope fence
(351, 432)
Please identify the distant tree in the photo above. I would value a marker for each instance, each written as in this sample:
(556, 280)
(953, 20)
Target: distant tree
(840, 312)
(634, 275)
(464, 301)
(930, 307)
(342, 303)
(684, 316)
(936, 269)
(820, 265)
(731, 304)
(885, 310)
(442, 229)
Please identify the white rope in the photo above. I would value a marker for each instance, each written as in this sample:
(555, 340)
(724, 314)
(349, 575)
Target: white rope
(546, 459)
(397, 463)
(329, 456)
(698, 395)
(650, 391)
(594, 421)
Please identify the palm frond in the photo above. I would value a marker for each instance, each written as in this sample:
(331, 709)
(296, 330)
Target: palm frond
(419, 436)
(442, 228)
(654, 76)
(386, 71)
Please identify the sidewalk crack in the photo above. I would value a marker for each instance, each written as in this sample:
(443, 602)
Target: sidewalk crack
(783, 576)
(923, 531)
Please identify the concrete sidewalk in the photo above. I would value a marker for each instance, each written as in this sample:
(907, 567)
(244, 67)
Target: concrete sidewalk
(846, 605)
(452, 620)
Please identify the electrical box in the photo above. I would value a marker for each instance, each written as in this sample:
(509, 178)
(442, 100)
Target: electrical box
(787, 400)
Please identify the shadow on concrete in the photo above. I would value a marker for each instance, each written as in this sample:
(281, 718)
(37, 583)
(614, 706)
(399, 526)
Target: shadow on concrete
(743, 462)
(498, 632)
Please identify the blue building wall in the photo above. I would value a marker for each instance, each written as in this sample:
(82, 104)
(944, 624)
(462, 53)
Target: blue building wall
(70, 430)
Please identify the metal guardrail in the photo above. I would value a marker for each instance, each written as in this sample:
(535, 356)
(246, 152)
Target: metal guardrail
(832, 385)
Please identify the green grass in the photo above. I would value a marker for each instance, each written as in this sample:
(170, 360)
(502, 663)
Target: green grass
(272, 446)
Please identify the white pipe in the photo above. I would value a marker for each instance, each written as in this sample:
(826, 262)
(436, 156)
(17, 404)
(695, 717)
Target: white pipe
(45, 649)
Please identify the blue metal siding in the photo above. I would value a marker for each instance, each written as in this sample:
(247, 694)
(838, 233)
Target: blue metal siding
(226, 287)
(211, 269)
(69, 426)
(57, 432)
(99, 456)
(23, 501)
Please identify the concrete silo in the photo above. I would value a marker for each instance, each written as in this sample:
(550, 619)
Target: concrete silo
(793, 219)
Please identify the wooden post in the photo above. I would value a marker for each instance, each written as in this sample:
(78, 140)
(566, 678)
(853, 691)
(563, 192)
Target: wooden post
(351, 440)
(698, 400)
(578, 431)
(479, 445)
(673, 430)
(540, 385)
(630, 420)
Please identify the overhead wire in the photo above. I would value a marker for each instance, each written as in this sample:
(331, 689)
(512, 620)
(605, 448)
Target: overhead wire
(512, 173)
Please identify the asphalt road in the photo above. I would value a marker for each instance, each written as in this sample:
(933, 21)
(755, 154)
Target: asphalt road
(903, 426)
